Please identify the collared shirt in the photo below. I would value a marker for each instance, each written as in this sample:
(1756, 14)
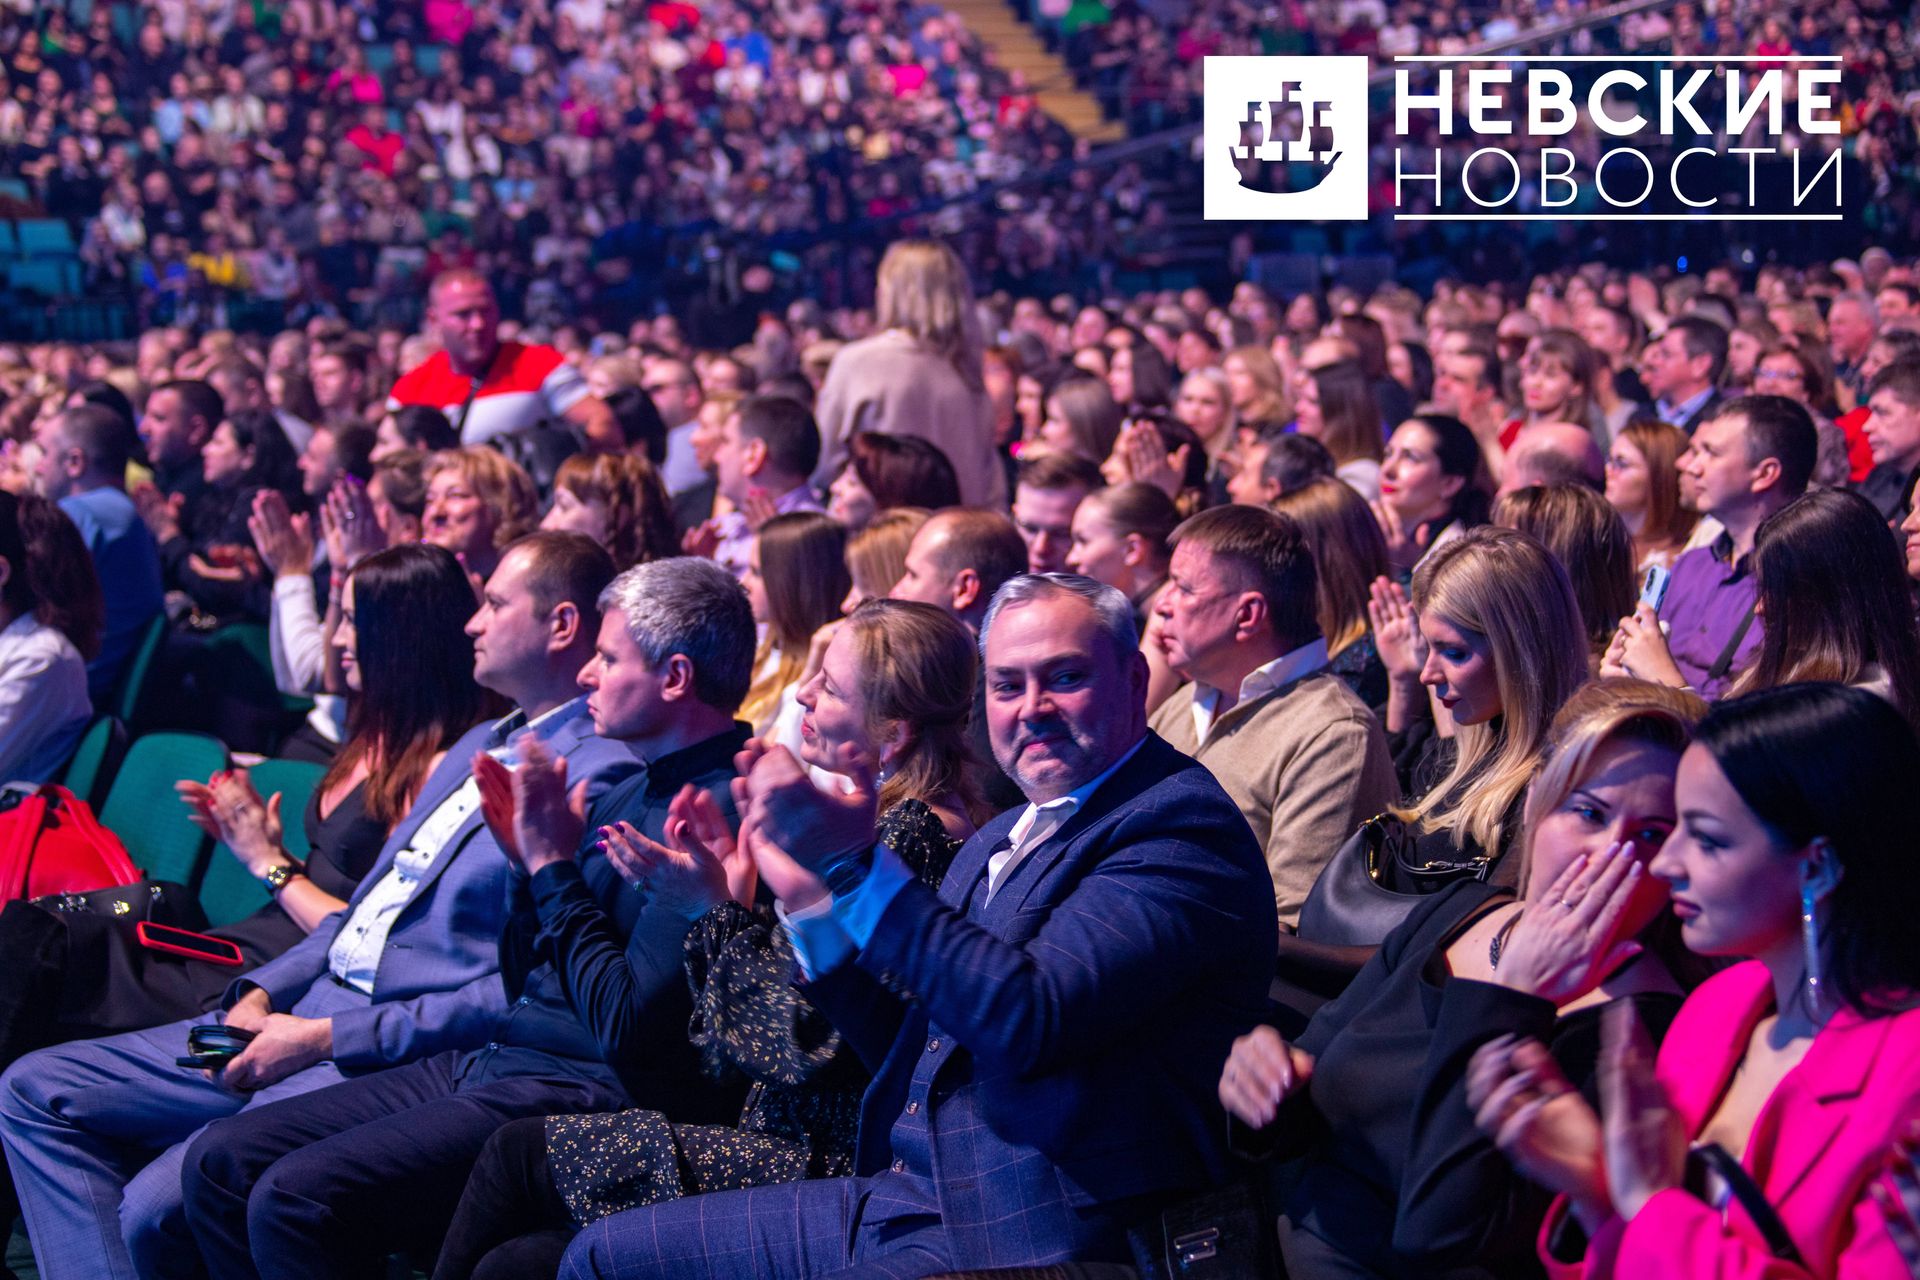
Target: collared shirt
(682, 470)
(1709, 599)
(1887, 487)
(1040, 821)
(1259, 682)
(736, 536)
(1679, 414)
(354, 957)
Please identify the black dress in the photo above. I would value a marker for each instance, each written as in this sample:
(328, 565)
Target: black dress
(75, 977)
(800, 1120)
(1388, 1176)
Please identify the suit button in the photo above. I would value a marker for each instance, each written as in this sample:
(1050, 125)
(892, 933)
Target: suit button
(933, 1046)
(493, 1046)
(899, 1166)
(913, 1108)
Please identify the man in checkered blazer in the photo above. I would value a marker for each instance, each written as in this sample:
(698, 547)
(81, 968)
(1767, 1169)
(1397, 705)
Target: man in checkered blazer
(1046, 1030)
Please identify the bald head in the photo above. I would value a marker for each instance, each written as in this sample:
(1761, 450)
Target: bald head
(959, 558)
(1553, 453)
(465, 317)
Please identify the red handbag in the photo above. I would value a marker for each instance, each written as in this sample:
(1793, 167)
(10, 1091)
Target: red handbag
(51, 843)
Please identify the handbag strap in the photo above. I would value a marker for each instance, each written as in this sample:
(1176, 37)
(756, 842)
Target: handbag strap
(117, 865)
(1742, 1187)
(1724, 663)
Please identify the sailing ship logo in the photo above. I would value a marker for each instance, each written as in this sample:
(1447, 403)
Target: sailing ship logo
(1285, 138)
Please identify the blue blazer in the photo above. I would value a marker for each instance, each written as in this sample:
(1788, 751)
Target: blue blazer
(438, 983)
(1079, 1020)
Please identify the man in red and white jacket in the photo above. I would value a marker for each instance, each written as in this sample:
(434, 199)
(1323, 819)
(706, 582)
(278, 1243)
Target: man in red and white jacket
(487, 387)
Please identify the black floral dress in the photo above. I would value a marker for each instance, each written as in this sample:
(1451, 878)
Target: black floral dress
(803, 1111)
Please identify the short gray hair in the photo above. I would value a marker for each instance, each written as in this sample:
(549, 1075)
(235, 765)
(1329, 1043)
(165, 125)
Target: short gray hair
(690, 606)
(1111, 606)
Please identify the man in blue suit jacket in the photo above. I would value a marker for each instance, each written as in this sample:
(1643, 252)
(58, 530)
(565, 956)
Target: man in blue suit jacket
(79, 1121)
(1046, 1032)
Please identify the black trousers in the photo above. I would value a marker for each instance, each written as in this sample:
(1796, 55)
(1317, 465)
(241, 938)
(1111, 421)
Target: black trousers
(329, 1183)
(511, 1222)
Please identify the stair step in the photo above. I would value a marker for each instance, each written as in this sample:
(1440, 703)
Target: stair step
(1014, 46)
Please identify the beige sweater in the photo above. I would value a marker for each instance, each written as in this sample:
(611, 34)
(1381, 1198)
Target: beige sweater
(1307, 764)
(887, 383)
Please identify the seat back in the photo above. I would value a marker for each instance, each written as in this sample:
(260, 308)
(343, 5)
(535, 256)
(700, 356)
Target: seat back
(96, 760)
(132, 690)
(229, 892)
(143, 809)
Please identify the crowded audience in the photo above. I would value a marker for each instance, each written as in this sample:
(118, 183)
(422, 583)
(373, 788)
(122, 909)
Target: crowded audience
(1427, 763)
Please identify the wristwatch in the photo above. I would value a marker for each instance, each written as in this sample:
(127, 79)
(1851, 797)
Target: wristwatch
(276, 878)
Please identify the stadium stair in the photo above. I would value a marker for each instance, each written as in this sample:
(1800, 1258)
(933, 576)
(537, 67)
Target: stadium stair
(1014, 47)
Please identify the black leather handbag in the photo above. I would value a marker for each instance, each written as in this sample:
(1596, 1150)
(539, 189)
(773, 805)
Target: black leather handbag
(1375, 881)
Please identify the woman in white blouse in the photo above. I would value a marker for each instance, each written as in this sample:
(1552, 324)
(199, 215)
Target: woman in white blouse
(51, 613)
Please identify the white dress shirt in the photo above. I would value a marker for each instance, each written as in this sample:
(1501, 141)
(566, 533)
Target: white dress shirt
(43, 700)
(1037, 824)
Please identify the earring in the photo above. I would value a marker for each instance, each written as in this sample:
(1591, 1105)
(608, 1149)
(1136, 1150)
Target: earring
(1810, 940)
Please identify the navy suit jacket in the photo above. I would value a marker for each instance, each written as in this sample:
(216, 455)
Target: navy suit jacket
(1081, 1017)
(438, 984)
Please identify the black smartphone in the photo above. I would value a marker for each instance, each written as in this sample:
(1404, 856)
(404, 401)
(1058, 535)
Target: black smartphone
(213, 1046)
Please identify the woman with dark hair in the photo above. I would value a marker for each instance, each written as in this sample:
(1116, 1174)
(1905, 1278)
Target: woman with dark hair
(891, 700)
(796, 578)
(1120, 538)
(641, 425)
(1785, 1079)
(1336, 406)
(1432, 487)
(1590, 541)
(888, 471)
(1832, 588)
(1140, 380)
(1387, 1175)
(409, 664)
(414, 426)
(51, 616)
(617, 500)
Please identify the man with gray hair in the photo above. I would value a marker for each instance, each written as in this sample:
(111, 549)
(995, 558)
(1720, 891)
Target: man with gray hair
(1049, 1024)
(597, 1005)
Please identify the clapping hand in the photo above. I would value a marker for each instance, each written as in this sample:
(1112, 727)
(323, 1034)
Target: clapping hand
(758, 508)
(1404, 547)
(1261, 1072)
(699, 867)
(1144, 451)
(350, 525)
(284, 540)
(160, 512)
(1395, 636)
(1646, 1147)
(783, 806)
(542, 819)
(231, 811)
(1566, 940)
(1524, 1103)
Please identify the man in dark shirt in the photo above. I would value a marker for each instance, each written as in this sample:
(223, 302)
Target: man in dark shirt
(180, 416)
(1893, 431)
(597, 1005)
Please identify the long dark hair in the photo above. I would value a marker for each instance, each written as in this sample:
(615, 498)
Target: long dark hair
(1459, 455)
(1828, 761)
(1833, 589)
(803, 561)
(52, 572)
(903, 471)
(275, 465)
(417, 693)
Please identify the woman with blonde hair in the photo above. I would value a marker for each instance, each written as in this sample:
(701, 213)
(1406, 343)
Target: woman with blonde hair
(919, 374)
(478, 501)
(796, 579)
(1349, 553)
(877, 554)
(617, 500)
(1383, 1172)
(1258, 388)
(1505, 647)
(1643, 485)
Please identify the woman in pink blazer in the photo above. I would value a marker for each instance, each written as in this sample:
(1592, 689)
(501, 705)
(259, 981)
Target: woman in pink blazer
(1797, 1069)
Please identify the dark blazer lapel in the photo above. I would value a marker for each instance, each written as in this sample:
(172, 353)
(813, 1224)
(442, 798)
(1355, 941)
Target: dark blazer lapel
(957, 887)
(1152, 763)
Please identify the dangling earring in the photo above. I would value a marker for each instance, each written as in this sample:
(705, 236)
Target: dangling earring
(1810, 940)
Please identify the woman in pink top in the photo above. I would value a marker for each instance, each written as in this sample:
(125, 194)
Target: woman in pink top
(1794, 1072)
